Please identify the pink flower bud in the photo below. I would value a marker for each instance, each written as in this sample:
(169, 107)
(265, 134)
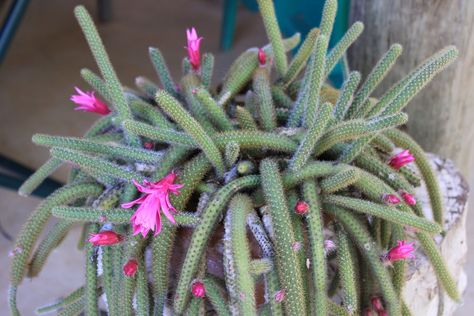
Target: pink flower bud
(279, 296)
(296, 246)
(408, 198)
(377, 303)
(301, 207)
(198, 289)
(262, 57)
(130, 268)
(329, 246)
(148, 145)
(105, 238)
(390, 199)
(401, 159)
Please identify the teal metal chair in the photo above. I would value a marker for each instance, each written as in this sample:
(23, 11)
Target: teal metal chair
(293, 16)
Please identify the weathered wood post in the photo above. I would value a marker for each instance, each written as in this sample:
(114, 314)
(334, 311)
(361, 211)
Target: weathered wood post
(442, 115)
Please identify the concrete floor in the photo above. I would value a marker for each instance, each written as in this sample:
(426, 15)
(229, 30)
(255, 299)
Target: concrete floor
(39, 74)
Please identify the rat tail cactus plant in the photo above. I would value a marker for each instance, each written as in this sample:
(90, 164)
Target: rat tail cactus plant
(237, 199)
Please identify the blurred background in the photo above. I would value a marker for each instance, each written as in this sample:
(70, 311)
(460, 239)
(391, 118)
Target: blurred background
(46, 53)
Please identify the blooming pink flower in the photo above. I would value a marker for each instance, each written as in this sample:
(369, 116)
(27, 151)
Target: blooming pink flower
(329, 246)
(130, 268)
(280, 296)
(193, 48)
(198, 289)
(382, 313)
(87, 101)
(262, 57)
(399, 160)
(105, 238)
(377, 303)
(301, 207)
(147, 217)
(390, 199)
(408, 198)
(403, 250)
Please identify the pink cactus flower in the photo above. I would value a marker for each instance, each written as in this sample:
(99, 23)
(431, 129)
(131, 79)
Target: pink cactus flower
(280, 296)
(301, 207)
(130, 268)
(377, 303)
(408, 198)
(88, 102)
(399, 160)
(105, 238)
(156, 198)
(193, 48)
(198, 289)
(329, 246)
(403, 250)
(390, 199)
(262, 57)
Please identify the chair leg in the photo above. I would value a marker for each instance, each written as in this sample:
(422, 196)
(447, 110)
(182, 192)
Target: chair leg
(12, 20)
(104, 9)
(228, 24)
(17, 174)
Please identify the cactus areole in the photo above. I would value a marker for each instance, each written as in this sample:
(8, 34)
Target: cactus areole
(237, 200)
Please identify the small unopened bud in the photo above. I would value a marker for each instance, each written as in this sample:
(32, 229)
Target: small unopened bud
(198, 289)
(296, 246)
(376, 303)
(301, 207)
(329, 246)
(130, 268)
(262, 57)
(279, 296)
(148, 145)
(408, 198)
(390, 199)
(15, 251)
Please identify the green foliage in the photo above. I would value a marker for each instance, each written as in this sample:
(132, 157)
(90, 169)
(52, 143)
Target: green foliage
(259, 141)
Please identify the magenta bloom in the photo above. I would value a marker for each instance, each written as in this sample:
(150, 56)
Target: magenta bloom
(198, 289)
(262, 57)
(403, 250)
(390, 199)
(193, 48)
(156, 198)
(399, 160)
(87, 101)
(408, 198)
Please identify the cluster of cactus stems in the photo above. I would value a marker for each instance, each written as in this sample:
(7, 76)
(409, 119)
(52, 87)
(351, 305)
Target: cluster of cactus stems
(281, 162)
